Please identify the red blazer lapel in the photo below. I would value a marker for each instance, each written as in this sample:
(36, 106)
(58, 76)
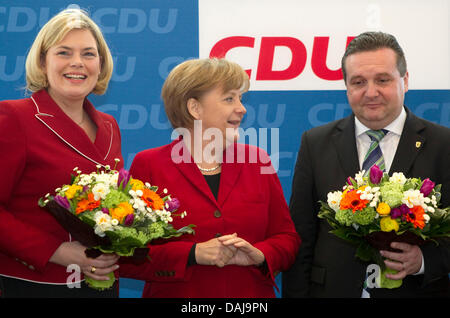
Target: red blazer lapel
(49, 113)
(183, 161)
(105, 131)
(231, 170)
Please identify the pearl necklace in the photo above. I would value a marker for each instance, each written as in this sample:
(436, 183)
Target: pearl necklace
(209, 169)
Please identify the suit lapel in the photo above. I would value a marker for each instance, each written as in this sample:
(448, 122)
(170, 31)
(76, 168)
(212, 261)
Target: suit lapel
(345, 145)
(410, 144)
(49, 113)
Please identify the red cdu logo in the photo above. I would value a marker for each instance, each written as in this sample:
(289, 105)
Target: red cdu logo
(265, 71)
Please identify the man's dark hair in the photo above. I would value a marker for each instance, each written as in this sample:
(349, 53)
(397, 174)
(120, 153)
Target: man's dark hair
(371, 41)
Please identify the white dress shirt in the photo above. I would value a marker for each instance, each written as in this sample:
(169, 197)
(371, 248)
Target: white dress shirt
(388, 144)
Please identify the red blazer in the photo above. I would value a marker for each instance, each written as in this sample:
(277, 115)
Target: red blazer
(249, 203)
(39, 147)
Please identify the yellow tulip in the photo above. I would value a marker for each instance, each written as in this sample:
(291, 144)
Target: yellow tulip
(70, 193)
(387, 224)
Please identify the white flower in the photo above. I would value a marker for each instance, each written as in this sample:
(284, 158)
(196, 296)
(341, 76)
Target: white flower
(100, 191)
(139, 205)
(413, 198)
(366, 194)
(108, 179)
(334, 200)
(433, 201)
(85, 179)
(398, 177)
(103, 223)
(359, 178)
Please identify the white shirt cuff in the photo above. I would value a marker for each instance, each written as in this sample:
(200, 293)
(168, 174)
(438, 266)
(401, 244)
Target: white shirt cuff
(422, 268)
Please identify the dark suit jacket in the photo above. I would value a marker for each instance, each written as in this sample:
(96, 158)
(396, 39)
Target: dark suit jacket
(326, 265)
(39, 147)
(250, 202)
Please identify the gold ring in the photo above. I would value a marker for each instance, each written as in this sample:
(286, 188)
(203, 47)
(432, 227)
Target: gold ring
(93, 269)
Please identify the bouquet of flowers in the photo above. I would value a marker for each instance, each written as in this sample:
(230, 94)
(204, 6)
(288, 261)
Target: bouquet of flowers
(371, 212)
(110, 212)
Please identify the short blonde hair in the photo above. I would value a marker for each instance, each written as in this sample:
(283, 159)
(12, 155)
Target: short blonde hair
(51, 34)
(192, 79)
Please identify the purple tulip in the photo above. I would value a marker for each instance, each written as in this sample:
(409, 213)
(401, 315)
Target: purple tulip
(400, 211)
(349, 181)
(173, 205)
(124, 177)
(375, 174)
(426, 187)
(105, 210)
(129, 220)
(62, 201)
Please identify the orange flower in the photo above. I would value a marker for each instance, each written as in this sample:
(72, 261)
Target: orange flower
(121, 211)
(87, 204)
(416, 217)
(152, 199)
(352, 201)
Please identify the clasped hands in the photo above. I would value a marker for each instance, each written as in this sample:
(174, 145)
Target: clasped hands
(227, 250)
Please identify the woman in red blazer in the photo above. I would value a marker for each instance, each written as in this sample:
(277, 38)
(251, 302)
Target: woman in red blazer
(42, 139)
(244, 233)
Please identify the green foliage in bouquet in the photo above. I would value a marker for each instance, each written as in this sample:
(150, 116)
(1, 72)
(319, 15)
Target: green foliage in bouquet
(111, 212)
(373, 211)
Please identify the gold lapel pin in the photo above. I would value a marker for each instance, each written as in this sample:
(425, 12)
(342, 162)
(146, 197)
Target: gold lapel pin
(418, 144)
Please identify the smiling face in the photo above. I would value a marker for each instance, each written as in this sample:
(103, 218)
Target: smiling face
(221, 110)
(375, 88)
(72, 67)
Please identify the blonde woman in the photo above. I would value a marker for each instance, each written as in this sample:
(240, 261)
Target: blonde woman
(42, 138)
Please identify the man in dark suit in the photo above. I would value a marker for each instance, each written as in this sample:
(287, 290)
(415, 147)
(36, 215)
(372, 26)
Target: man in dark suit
(376, 78)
